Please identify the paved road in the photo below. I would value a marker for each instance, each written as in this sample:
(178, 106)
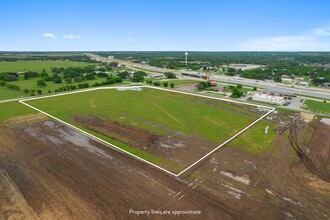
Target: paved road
(274, 87)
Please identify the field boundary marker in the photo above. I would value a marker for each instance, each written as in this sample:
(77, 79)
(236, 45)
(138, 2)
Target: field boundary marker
(151, 87)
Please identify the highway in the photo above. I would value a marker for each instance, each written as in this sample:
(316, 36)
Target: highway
(276, 87)
(323, 94)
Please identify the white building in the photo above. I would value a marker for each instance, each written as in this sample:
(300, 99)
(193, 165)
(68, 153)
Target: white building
(268, 98)
(287, 80)
(303, 83)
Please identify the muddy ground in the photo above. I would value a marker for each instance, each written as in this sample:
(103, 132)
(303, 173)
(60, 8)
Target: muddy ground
(49, 171)
(276, 185)
(181, 149)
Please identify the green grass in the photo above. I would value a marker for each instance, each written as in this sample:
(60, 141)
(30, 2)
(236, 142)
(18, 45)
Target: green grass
(164, 108)
(38, 66)
(316, 106)
(152, 110)
(255, 140)
(12, 109)
(6, 93)
(182, 82)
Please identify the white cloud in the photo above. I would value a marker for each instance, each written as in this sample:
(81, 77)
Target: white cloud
(71, 37)
(129, 40)
(321, 31)
(316, 39)
(49, 35)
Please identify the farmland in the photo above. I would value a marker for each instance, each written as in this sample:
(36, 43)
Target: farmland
(23, 83)
(37, 66)
(147, 122)
(51, 155)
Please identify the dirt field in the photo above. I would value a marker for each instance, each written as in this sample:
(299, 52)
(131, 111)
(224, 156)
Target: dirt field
(273, 186)
(48, 171)
(176, 147)
(52, 172)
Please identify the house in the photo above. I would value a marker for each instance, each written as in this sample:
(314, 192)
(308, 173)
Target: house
(156, 75)
(194, 74)
(285, 95)
(303, 83)
(273, 99)
(287, 80)
(213, 82)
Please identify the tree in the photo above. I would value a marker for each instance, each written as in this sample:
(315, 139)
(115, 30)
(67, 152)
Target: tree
(172, 85)
(170, 75)
(57, 70)
(236, 93)
(57, 80)
(44, 74)
(68, 80)
(254, 88)
(277, 79)
(39, 91)
(90, 76)
(139, 76)
(32, 91)
(10, 78)
(26, 91)
(202, 85)
(41, 83)
(231, 70)
(165, 84)
(30, 74)
(123, 74)
(77, 79)
(113, 64)
(157, 83)
(239, 86)
(13, 87)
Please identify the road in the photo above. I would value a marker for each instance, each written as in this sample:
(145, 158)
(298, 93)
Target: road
(276, 87)
(318, 93)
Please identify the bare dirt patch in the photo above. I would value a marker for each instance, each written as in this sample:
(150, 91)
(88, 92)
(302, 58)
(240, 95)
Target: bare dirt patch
(269, 185)
(180, 148)
(54, 172)
(24, 119)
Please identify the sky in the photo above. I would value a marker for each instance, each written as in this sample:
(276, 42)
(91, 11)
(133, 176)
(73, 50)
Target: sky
(164, 25)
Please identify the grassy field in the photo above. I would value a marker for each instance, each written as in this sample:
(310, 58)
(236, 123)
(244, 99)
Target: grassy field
(316, 106)
(182, 82)
(38, 66)
(152, 110)
(6, 93)
(255, 140)
(12, 109)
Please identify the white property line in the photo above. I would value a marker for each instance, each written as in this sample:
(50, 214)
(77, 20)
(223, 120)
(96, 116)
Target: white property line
(133, 155)
(96, 138)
